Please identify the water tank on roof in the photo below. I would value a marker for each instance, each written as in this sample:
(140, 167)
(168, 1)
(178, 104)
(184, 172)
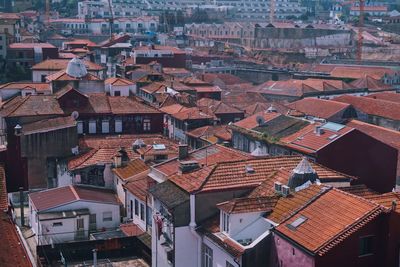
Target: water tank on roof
(76, 68)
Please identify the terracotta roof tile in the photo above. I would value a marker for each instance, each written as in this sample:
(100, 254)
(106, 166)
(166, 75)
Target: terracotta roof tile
(61, 64)
(139, 186)
(30, 45)
(191, 114)
(387, 96)
(248, 204)
(360, 190)
(55, 197)
(63, 76)
(206, 156)
(320, 108)
(39, 87)
(371, 84)
(377, 107)
(360, 72)
(215, 107)
(251, 122)
(119, 81)
(32, 105)
(48, 125)
(308, 141)
(287, 206)
(131, 169)
(343, 214)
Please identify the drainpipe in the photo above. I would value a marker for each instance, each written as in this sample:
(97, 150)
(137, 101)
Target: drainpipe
(192, 227)
(21, 201)
(94, 257)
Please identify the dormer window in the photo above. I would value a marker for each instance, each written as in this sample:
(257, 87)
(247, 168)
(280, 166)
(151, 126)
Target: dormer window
(225, 222)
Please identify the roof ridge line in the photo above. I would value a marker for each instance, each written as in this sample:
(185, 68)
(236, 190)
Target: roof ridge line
(72, 187)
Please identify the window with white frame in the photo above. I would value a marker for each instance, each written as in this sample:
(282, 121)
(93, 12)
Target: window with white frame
(118, 126)
(207, 259)
(79, 126)
(225, 222)
(105, 126)
(107, 216)
(146, 125)
(92, 127)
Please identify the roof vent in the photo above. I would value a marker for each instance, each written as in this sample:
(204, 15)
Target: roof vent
(249, 169)
(271, 109)
(76, 68)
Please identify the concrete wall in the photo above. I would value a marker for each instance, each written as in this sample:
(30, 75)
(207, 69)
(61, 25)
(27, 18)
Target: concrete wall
(289, 255)
(297, 38)
(220, 256)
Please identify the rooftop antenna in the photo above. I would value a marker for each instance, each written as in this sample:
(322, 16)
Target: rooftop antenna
(111, 20)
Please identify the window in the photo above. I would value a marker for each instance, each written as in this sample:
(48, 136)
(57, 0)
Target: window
(92, 127)
(105, 126)
(107, 216)
(118, 126)
(207, 256)
(117, 93)
(79, 125)
(366, 245)
(228, 264)
(42, 78)
(136, 207)
(225, 222)
(146, 125)
(141, 211)
(56, 224)
(131, 208)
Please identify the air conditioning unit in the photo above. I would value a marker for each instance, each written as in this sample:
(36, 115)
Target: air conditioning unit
(285, 190)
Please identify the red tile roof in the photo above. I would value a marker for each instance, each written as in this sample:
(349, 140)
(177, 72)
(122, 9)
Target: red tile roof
(206, 132)
(39, 87)
(248, 204)
(61, 64)
(96, 156)
(371, 84)
(119, 81)
(342, 215)
(191, 114)
(131, 169)
(226, 78)
(139, 186)
(131, 229)
(30, 45)
(47, 125)
(208, 156)
(377, 107)
(387, 96)
(308, 141)
(56, 197)
(214, 107)
(360, 72)
(232, 174)
(286, 206)
(63, 76)
(320, 108)
(172, 109)
(31, 105)
(251, 122)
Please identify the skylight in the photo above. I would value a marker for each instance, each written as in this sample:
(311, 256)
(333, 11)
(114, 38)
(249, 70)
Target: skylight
(333, 126)
(296, 223)
(159, 146)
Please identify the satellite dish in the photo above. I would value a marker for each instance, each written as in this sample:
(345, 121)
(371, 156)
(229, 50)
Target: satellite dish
(75, 115)
(260, 120)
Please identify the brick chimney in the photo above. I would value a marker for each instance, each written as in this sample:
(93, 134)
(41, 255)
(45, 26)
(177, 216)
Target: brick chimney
(183, 151)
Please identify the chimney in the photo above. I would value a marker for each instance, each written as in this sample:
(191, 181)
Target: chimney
(183, 151)
(118, 160)
(318, 130)
(394, 205)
